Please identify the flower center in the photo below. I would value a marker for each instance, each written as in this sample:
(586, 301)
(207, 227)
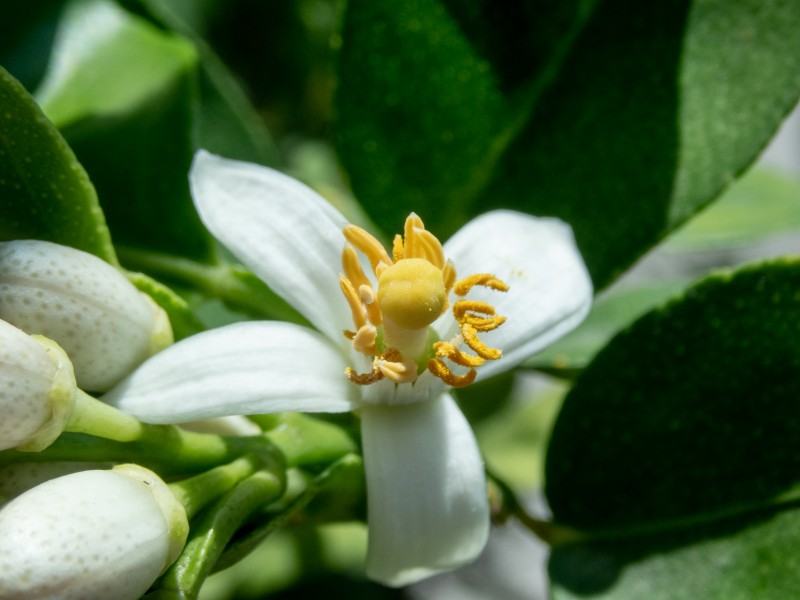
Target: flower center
(392, 326)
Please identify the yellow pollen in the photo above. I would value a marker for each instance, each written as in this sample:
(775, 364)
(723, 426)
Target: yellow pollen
(448, 350)
(392, 321)
(411, 293)
(463, 287)
(443, 372)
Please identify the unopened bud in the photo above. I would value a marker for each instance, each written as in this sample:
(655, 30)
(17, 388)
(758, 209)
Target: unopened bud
(37, 390)
(94, 534)
(105, 325)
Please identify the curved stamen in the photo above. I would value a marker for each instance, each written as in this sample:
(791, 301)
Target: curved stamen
(471, 339)
(448, 350)
(463, 287)
(444, 373)
(365, 242)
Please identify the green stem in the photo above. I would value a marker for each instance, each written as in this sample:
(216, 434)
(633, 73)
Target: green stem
(102, 420)
(197, 492)
(166, 449)
(307, 441)
(211, 533)
(234, 285)
(547, 531)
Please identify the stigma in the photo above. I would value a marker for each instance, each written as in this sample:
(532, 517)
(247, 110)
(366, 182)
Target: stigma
(394, 307)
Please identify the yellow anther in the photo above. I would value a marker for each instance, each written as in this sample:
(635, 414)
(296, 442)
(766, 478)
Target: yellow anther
(483, 325)
(363, 378)
(449, 275)
(470, 335)
(430, 247)
(371, 247)
(353, 301)
(463, 287)
(462, 307)
(364, 340)
(448, 350)
(443, 372)
(397, 248)
(412, 250)
(398, 372)
(411, 293)
(352, 268)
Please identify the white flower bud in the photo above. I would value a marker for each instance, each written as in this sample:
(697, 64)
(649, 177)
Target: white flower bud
(37, 390)
(105, 325)
(17, 478)
(94, 534)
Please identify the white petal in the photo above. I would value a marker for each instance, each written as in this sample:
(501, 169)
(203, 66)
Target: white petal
(426, 490)
(241, 369)
(282, 230)
(550, 291)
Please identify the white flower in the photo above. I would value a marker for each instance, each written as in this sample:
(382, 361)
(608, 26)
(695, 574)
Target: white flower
(389, 349)
(105, 325)
(37, 390)
(94, 534)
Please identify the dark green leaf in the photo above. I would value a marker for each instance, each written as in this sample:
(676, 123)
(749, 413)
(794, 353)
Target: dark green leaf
(122, 93)
(621, 117)
(44, 192)
(225, 122)
(692, 411)
(739, 559)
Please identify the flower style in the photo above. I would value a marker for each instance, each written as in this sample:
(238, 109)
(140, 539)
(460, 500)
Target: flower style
(394, 333)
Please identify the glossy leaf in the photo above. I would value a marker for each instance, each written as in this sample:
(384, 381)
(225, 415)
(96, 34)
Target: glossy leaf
(621, 117)
(225, 122)
(44, 191)
(739, 559)
(122, 91)
(690, 412)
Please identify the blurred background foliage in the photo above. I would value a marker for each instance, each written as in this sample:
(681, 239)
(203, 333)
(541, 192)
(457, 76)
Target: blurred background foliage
(626, 119)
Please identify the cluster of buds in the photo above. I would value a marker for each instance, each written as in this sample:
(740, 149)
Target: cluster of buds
(70, 322)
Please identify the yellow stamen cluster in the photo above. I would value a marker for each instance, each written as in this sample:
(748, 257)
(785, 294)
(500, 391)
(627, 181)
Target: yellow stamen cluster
(413, 287)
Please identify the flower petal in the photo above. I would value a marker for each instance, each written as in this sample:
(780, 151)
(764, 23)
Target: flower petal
(244, 368)
(550, 290)
(282, 230)
(426, 490)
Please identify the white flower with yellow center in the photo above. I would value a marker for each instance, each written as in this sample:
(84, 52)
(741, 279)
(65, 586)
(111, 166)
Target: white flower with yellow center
(395, 332)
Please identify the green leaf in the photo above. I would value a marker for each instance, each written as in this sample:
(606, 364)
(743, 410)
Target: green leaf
(740, 559)
(44, 191)
(610, 314)
(225, 122)
(621, 117)
(122, 93)
(691, 412)
(761, 204)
